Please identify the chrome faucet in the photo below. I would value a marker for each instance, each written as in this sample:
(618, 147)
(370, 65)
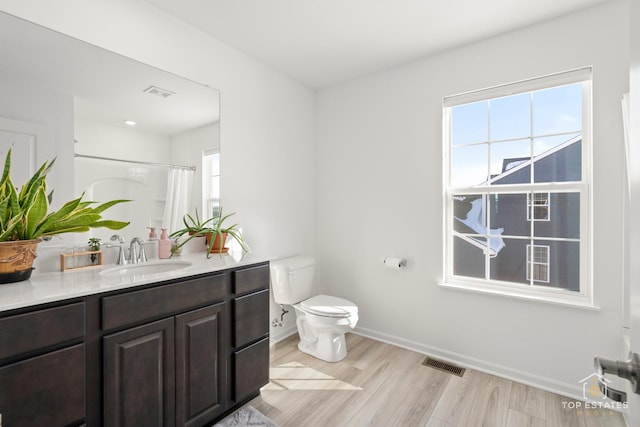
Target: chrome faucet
(122, 260)
(136, 251)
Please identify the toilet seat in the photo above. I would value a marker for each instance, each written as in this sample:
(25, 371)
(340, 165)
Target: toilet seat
(329, 306)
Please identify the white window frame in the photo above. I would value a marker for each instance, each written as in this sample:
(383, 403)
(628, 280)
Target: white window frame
(582, 298)
(208, 199)
(531, 263)
(531, 206)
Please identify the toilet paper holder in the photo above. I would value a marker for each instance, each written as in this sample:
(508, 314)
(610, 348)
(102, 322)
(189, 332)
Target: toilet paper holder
(394, 263)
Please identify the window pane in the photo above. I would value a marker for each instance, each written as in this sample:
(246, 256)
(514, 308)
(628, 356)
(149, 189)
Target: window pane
(469, 123)
(510, 117)
(506, 157)
(510, 264)
(214, 160)
(509, 212)
(469, 165)
(564, 264)
(562, 164)
(543, 145)
(468, 259)
(564, 217)
(215, 187)
(557, 110)
(469, 215)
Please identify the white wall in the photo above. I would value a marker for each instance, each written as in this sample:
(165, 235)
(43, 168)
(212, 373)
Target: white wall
(634, 231)
(379, 162)
(107, 180)
(98, 139)
(267, 120)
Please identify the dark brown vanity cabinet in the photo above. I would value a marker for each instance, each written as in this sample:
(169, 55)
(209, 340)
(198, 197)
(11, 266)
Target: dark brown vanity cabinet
(172, 371)
(177, 353)
(250, 331)
(42, 367)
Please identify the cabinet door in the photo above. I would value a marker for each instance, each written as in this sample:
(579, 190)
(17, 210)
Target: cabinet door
(251, 368)
(201, 365)
(47, 390)
(139, 376)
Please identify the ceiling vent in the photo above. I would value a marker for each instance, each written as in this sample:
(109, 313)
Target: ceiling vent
(158, 91)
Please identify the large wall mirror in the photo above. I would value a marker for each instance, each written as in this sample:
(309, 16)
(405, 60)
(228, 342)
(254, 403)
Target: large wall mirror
(167, 163)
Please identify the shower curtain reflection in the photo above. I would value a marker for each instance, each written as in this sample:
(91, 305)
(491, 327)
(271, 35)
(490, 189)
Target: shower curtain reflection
(178, 199)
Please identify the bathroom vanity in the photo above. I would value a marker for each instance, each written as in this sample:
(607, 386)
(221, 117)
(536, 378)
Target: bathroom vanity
(181, 348)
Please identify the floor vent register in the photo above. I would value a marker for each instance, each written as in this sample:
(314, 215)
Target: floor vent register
(444, 366)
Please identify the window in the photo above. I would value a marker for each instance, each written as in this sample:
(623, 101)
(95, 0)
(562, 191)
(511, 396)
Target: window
(538, 263)
(517, 188)
(211, 183)
(538, 207)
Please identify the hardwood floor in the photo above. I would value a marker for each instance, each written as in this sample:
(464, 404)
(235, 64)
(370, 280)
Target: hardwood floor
(383, 385)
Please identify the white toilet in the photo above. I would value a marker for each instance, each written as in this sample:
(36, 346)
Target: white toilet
(322, 319)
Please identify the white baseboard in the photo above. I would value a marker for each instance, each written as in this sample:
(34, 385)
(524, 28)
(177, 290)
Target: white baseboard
(277, 334)
(573, 391)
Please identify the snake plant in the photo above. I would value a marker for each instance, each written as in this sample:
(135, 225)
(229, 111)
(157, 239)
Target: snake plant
(25, 215)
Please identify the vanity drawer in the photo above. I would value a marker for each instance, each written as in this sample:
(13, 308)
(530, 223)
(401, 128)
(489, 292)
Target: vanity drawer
(47, 390)
(251, 367)
(251, 279)
(251, 314)
(161, 301)
(39, 329)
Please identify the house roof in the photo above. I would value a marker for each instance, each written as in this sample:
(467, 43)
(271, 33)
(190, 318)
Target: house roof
(526, 161)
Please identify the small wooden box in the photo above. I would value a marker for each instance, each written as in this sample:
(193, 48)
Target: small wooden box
(79, 260)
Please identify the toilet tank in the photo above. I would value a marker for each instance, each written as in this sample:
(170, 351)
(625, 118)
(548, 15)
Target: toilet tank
(292, 279)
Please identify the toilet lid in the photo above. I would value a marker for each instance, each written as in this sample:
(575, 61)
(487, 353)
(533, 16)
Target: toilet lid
(328, 306)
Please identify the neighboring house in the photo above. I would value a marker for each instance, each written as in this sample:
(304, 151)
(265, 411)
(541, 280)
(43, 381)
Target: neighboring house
(513, 255)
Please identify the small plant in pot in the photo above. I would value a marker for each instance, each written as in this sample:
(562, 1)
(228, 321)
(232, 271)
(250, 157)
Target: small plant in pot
(25, 220)
(94, 245)
(215, 229)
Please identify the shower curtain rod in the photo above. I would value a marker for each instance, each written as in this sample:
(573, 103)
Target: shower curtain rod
(86, 156)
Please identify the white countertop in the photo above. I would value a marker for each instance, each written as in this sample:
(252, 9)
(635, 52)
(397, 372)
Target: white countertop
(57, 286)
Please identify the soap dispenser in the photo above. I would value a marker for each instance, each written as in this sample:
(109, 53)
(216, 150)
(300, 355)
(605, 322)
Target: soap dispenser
(164, 245)
(153, 244)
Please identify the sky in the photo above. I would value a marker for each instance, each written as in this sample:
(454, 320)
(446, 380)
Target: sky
(507, 127)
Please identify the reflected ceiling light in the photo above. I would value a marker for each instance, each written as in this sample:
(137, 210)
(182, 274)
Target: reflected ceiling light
(130, 123)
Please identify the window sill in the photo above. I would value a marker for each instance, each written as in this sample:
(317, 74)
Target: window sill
(575, 301)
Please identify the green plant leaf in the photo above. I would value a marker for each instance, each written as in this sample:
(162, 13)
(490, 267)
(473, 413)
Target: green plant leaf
(110, 224)
(83, 220)
(7, 167)
(101, 208)
(37, 180)
(15, 209)
(9, 232)
(77, 229)
(35, 213)
(4, 212)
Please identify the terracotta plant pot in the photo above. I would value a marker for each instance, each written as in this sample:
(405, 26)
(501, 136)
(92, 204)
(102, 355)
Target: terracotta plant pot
(16, 260)
(218, 243)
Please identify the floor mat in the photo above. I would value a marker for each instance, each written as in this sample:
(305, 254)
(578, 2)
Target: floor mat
(246, 416)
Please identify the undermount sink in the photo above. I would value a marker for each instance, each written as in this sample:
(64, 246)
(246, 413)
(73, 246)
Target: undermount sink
(144, 268)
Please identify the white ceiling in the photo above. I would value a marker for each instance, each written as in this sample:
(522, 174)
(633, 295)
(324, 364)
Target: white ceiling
(323, 42)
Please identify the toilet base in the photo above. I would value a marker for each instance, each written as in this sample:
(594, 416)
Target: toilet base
(330, 347)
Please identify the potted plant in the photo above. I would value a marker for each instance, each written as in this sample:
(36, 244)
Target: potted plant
(25, 220)
(215, 229)
(94, 246)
